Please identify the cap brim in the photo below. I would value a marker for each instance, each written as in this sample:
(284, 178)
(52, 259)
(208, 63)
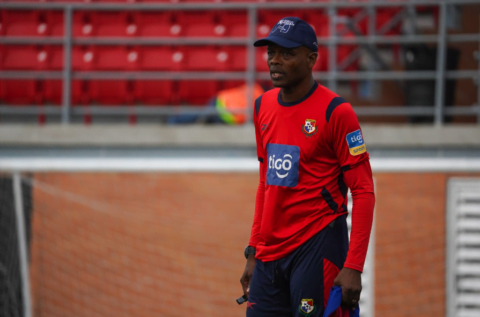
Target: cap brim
(283, 42)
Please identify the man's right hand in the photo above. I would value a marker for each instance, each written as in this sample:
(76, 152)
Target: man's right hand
(247, 274)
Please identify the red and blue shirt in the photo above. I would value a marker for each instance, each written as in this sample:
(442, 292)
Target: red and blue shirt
(304, 149)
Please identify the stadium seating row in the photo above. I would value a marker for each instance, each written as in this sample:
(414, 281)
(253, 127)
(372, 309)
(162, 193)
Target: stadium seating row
(212, 23)
(112, 92)
(144, 58)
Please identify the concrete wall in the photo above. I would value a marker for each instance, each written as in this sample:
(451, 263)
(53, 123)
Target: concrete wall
(195, 136)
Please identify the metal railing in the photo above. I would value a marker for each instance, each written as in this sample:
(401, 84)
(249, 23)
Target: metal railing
(332, 76)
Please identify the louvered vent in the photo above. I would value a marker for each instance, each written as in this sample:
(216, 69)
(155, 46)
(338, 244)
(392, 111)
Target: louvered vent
(463, 248)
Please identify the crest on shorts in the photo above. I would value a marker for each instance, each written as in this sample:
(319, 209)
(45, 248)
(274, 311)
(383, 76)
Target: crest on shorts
(309, 127)
(307, 307)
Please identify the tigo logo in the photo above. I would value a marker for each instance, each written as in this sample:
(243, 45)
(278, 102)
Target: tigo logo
(283, 163)
(355, 143)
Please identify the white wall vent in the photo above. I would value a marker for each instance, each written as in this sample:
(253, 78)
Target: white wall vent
(463, 248)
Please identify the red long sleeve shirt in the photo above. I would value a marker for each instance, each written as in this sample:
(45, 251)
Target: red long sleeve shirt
(310, 153)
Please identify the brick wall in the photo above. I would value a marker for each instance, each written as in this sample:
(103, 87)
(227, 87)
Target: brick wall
(132, 244)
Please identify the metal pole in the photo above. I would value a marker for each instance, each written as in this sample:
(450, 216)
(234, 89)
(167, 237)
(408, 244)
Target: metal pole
(371, 66)
(22, 245)
(252, 22)
(332, 49)
(441, 59)
(67, 64)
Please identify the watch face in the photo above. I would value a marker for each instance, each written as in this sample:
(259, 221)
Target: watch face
(249, 250)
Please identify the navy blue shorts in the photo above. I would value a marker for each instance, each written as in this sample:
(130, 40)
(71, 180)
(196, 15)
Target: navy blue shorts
(299, 284)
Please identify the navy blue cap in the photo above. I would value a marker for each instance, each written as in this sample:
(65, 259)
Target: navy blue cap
(291, 32)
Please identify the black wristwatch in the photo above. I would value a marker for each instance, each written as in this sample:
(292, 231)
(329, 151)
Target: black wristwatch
(249, 250)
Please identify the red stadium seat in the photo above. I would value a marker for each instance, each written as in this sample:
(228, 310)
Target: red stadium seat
(23, 93)
(108, 24)
(205, 58)
(105, 58)
(31, 91)
(81, 97)
(322, 59)
(23, 57)
(197, 23)
(197, 92)
(236, 58)
(151, 1)
(231, 58)
(114, 1)
(23, 23)
(240, 1)
(202, 1)
(115, 58)
(154, 92)
(261, 59)
(55, 23)
(83, 24)
(53, 92)
(319, 21)
(55, 57)
(83, 58)
(31, 23)
(117, 23)
(20, 92)
(2, 90)
(161, 58)
(201, 58)
(109, 92)
(80, 92)
(155, 24)
(235, 23)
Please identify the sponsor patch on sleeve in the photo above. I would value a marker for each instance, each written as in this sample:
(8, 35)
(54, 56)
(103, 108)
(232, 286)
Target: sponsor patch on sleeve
(355, 142)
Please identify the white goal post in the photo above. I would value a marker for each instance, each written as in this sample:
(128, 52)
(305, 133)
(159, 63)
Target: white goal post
(16, 166)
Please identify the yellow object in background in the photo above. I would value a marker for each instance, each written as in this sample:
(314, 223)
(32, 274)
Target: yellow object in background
(232, 103)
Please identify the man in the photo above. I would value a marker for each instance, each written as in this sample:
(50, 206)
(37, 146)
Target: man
(311, 149)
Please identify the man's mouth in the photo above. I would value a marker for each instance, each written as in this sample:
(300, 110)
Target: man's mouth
(276, 75)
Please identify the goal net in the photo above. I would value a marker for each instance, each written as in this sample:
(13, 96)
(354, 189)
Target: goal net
(133, 244)
(11, 302)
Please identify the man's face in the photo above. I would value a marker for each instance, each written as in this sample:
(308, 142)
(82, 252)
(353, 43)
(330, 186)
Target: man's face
(289, 66)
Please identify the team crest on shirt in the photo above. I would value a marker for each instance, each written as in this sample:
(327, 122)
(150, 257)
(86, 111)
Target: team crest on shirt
(307, 307)
(309, 127)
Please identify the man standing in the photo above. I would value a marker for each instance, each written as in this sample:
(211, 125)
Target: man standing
(311, 150)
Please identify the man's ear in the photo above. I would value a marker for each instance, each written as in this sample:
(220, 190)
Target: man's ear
(312, 58)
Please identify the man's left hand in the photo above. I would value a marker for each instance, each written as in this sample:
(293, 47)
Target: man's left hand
(351, 282)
